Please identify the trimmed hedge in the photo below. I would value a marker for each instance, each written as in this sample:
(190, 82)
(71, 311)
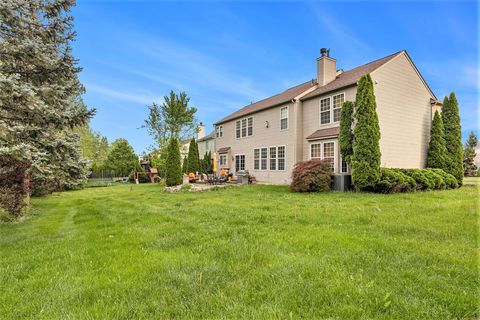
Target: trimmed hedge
(311, 176)
(409, 180)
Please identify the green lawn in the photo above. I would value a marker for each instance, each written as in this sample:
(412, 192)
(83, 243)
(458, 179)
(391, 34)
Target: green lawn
(243, 252)
(473, 181)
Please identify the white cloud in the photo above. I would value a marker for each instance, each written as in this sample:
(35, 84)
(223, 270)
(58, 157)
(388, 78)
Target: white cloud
(143, 98)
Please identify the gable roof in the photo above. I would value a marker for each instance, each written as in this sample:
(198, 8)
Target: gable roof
(350, 77)
(209, 136)
(343, 80)
(277, 99)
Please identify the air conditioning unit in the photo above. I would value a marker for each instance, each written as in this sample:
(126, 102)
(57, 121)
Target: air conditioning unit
(342, 182)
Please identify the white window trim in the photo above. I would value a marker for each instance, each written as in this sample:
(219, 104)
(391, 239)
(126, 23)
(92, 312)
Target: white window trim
(269, 158)
(288, 118)
(340, 166)
(226, 160)
(259, 157)
(246, 128)
(331, 108)
(284, 157)
(244, 161)
(321, 142)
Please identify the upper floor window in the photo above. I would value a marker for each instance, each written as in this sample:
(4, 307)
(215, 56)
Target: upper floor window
(284, 118)
(338, 101)
(325, 111)
(331, 108)
(244, 127)
(219, 131)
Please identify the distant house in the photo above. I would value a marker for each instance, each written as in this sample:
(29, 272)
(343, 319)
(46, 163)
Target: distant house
(268, 137)
(205, 143)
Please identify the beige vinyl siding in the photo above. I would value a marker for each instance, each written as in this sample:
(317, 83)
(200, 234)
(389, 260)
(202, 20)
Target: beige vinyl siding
(311, 120)
(263, 137)
(404, 113)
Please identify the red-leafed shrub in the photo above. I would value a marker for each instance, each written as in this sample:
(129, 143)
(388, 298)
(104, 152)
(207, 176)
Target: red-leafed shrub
(311, 176)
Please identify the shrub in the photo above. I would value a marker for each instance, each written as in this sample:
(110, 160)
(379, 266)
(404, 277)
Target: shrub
(393, 181)
(421, 178)
(174, 175)
(449, 180)
(437, 179)
(366, 144)
(311, 176)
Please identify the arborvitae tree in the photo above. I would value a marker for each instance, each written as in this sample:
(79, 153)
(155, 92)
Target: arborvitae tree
(345, 138)
(437, 150)
(207, 162)
(469, 155)
(185, 165)
(40, 93)
(366, 146)
(453, 137)
(173, 165)
(121, 159)
(193, 157)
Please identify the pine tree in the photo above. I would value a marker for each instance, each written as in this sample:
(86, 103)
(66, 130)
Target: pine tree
(185, 165)
(173, 165)
(193, 157)
(437, 150)
(453, 137)
(366, 146)
(345, 138)
(40, 94)
(121, 159)
(469, 155)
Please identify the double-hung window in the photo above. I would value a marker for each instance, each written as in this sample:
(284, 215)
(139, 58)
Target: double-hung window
(264, 158)
(219, 131)
(323, 151)
(244, 127)
(338, 101)
(284, 118)
(344, 166)
(281, 157)
(239, 162)
(222, 160)
(273, 158)
(237, 129)
(256, 159)
(325, 111)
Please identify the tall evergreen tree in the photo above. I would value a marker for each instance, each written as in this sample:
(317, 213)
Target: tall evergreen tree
(345, 138)
(453, 137)
(121, 159)
(437, 151)
(185, 165)
(193, 157)
(40, 93)
(366, 146)
(469, 155)
(173, 165)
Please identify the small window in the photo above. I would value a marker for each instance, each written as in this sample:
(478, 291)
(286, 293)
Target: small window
(239, 162)
(281, 158)
(219, 131)
(237, 129)
(250, 126)
(338, 101)
(316, 151)
(256, 159)
(284, 118)
(264, 155)
(325, 111)
(222, 160)
(329, 153)
(344, 166)
(273, 158)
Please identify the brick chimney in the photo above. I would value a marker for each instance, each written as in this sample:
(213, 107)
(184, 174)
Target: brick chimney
(326, 67)
(200, 131)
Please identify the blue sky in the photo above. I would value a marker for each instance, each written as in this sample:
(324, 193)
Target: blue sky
(228, 54)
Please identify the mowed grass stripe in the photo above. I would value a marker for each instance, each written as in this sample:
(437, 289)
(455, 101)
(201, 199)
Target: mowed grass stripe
(242, 252)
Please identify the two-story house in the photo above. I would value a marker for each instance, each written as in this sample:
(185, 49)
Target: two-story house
(268, 137)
